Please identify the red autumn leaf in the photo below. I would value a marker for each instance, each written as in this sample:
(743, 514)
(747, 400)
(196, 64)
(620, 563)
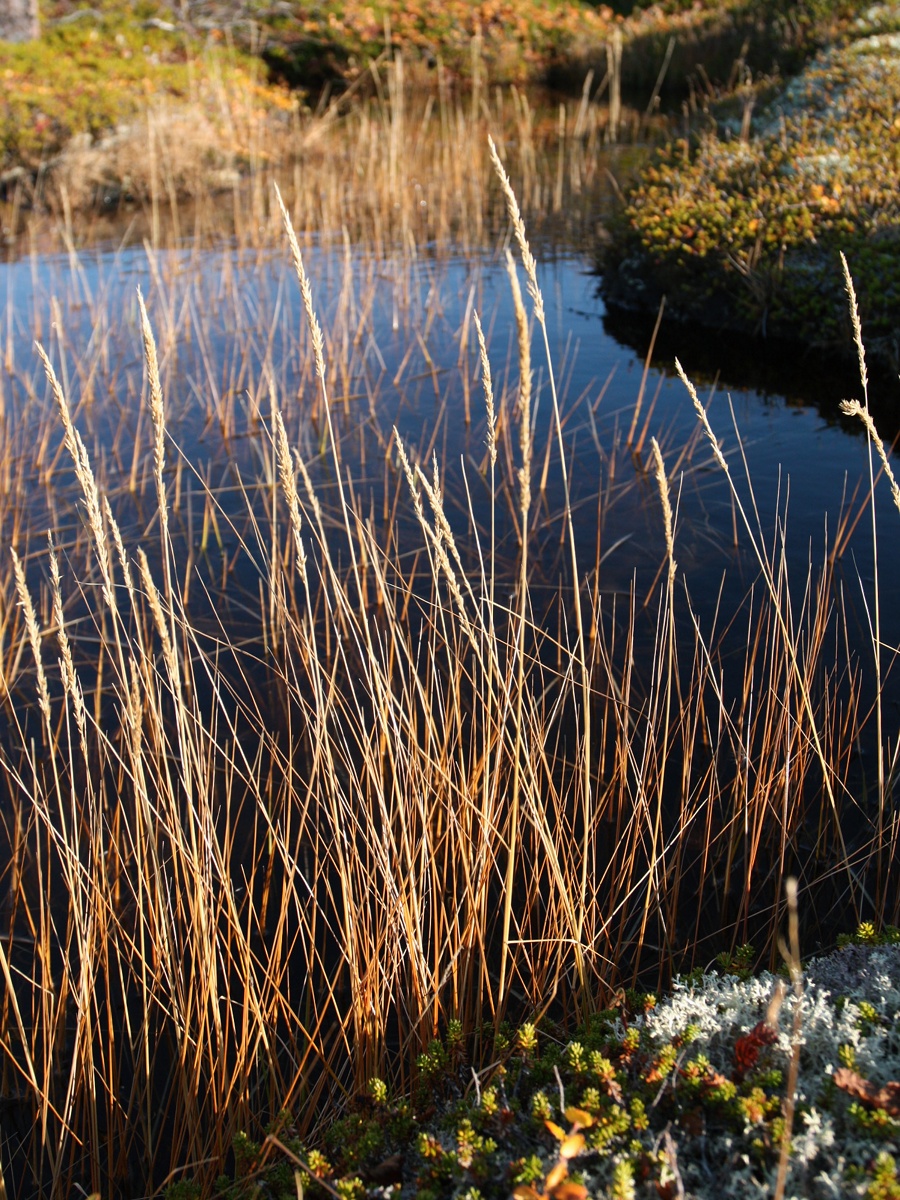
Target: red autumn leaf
(712, 1079)
(747, 1048)
(656, 1073)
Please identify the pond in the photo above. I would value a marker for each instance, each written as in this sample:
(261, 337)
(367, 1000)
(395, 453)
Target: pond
(402, 353)
(342, 761)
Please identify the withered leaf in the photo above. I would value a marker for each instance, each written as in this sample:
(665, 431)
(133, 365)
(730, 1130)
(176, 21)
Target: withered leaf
(887, 1097)
(570, 1191)
(713, 1079)
(556, 1176)
(580, 1117)
(655, 1074)
(574, 1144)
(526, 1192)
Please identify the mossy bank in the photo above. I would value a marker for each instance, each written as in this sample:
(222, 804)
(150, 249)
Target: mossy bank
(741, 226)
(117, 101)
(694, 1095)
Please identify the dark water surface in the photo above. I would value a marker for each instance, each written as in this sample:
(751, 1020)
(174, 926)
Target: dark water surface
(220, 316)
(401, 351)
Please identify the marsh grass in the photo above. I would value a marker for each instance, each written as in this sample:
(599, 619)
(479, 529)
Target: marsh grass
(274, 816)
(394, 157)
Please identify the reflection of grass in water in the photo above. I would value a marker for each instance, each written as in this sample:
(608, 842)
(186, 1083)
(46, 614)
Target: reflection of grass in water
(248, 877)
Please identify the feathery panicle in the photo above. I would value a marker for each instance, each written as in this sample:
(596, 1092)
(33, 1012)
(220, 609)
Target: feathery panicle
(309, 489)
(59, 620)
(410, 478)
(853, 408)
(433, 491)
(704, 419)
(440, 535)
(523, 335)
(442, 527)
(515, 215)
(120, 547)
(157, 412)
(668, 521)
(84, 475)
(488, 386)
(318, 340)
(58, 395)
(857, 327)
(159, 617)
(34, 635)
(66, 662)
(289, 487)
(133, 710)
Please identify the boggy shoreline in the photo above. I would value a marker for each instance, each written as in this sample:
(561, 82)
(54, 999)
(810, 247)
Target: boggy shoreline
(115, 101)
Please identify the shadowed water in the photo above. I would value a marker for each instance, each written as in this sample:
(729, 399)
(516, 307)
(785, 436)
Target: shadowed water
(402, 351)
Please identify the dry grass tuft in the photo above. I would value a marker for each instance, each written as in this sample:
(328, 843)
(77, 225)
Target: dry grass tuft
(343, 777)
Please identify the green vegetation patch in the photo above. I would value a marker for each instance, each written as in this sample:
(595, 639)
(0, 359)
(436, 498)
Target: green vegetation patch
(524, 40)
(685, 1095)
(744, 232)
(512, 40)
(96, 73)
(96, 70)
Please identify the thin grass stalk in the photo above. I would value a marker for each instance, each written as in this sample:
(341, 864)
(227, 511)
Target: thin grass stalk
(487, 813)
(656, 835)
(363, 628)
(80, 892)
(791, 955)
(873, 442)
(789, 644)
(318, 352)
(151, 930)
(581, 643)
(524, 477)
(318, 345)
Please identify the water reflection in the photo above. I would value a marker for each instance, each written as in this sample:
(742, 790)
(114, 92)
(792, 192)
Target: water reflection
(402, 352)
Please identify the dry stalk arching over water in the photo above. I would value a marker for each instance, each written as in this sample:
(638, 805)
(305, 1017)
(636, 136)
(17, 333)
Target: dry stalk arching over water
(242, 877)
